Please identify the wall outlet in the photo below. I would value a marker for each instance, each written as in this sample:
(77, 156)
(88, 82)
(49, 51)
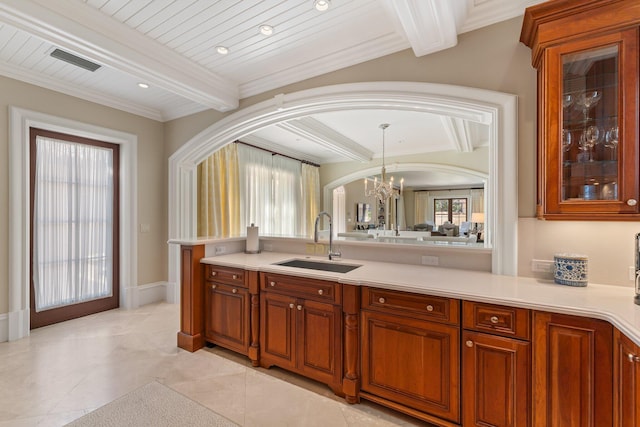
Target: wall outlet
(145, 228)
(268, 247)
(632, 274)
(220, 250)
(430, 260)
(541, 266)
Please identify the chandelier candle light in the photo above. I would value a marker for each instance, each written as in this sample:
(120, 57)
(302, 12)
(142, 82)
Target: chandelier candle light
(383, 190)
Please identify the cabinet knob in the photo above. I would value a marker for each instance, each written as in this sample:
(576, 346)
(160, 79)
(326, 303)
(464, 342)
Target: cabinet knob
(299, 307)
(382, 300)
(320, 292)
(429, 307)
(235, 276)
(272, 283)
(469, 343)
(632, 202)
(213, 273)
(633, 358)
(494, 319)
(235, 291)
(214, 286)
(291, 305)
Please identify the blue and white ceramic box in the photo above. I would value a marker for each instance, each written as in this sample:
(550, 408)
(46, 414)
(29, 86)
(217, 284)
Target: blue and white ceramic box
(570, 269)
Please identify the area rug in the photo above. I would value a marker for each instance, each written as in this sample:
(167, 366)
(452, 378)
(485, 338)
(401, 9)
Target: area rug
(152, 405)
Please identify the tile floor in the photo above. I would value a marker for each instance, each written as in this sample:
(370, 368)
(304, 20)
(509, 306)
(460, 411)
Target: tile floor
(63, 371)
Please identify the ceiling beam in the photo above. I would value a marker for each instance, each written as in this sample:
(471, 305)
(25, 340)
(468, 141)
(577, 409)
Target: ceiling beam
(84, 31)
(428, 25)
(459, 133)
(260, 142)
(321, 134)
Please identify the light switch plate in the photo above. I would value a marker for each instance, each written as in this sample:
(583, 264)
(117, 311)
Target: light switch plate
(541, 266)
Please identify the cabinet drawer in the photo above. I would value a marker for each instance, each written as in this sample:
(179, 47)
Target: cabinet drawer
(497, 319)
(439, 309)
(319, 290)
(226, 275)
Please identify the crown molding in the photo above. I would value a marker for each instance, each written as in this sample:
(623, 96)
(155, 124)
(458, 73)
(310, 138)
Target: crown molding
(87, 94)
(354, 55)
(316, 131)
(83, 31)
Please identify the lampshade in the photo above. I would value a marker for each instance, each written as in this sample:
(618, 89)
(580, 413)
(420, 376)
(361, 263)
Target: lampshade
(477, 217)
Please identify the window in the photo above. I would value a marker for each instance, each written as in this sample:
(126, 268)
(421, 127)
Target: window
(453, 210)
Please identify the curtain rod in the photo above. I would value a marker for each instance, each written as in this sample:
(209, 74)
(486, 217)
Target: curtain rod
(274, 153)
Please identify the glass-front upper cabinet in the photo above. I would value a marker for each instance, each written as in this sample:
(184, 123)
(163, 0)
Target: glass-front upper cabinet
(588, 166)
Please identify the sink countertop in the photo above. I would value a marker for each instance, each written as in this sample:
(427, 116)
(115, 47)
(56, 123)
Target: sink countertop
(612, 303)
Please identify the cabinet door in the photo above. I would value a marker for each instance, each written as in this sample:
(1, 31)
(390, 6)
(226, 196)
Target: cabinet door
(496, 381)
(227, 316)
(626, 382)
(318, 340)
(277, 324)
(589, 136)
(412, 362)
(572, 371)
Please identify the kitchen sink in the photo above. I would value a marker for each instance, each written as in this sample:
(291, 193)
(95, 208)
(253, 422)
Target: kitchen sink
(319, 265)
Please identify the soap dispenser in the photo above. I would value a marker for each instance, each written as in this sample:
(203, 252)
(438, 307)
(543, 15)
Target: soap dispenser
(636, 299)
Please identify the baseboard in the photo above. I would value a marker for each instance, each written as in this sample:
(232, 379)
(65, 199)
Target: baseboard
(152, 293)
(4, 327)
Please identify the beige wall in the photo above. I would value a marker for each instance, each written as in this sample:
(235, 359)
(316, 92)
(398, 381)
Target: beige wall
(152, 170)
(489, 58)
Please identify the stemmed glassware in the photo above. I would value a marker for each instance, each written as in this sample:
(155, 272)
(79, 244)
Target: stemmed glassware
(612, 138)
(591, 134)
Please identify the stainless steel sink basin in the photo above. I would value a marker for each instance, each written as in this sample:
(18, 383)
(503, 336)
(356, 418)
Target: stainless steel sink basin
(319, 265)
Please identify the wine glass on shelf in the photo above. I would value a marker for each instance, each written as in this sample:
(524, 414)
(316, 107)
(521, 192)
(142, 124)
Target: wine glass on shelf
(567, 100)
(566, 139)
(611, 140)
(592, 136)
(588, 99)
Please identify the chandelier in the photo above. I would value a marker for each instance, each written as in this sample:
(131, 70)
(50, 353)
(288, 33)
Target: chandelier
(383, 190)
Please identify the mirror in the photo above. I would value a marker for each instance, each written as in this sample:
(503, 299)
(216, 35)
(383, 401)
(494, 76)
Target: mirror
(456, 105)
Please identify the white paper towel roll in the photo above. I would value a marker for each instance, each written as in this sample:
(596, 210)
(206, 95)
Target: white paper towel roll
(253, 241)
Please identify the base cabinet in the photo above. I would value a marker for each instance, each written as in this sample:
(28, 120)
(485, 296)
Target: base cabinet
(300, 327)
(572, 371)
(496, 370)
(227, 308)
(410, 363)
(626, 363)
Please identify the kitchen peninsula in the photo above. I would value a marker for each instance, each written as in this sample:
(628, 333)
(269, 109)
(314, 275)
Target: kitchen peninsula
(492, 349)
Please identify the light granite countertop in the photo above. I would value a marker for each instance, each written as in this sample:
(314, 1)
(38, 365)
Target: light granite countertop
(611, 303)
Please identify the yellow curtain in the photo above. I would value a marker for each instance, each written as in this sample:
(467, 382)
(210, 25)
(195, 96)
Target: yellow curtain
(219, 194)
(310, 197)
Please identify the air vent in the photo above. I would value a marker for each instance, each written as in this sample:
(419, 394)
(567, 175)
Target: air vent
(74, 60)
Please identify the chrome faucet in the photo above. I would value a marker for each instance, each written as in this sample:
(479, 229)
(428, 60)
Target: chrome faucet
(636, 299)
(332, 254)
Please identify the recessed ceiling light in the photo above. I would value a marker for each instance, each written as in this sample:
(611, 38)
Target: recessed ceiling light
(222, 50)
(267, 30)
(322, 5)
(143, 85)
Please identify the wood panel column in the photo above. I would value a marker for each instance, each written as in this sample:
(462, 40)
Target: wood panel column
(254, 317)
(351, 313)
(191, 336)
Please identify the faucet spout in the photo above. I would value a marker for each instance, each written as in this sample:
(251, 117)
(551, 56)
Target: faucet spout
(332, 254)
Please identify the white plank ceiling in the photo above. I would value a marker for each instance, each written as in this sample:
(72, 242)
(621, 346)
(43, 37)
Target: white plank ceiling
(171, 45)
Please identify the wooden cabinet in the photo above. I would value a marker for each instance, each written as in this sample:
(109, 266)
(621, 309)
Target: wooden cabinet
(228, 309)
(300, 327)
(496, 366)
(411, 354)
(572, 371)
(626, 397)
(586, 54)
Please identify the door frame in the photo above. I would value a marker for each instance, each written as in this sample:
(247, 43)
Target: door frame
(20, 121)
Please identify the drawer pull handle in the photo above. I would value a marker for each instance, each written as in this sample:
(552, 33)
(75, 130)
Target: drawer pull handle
(291, 305)
(272, 283)
(633, 358)
(382, 300)
(494, 319)
(299, 307)
(235, 291)
(235, 276)
(429, 307)
(213, 273)
(632, 202)
(320, 292)
(469, 343)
